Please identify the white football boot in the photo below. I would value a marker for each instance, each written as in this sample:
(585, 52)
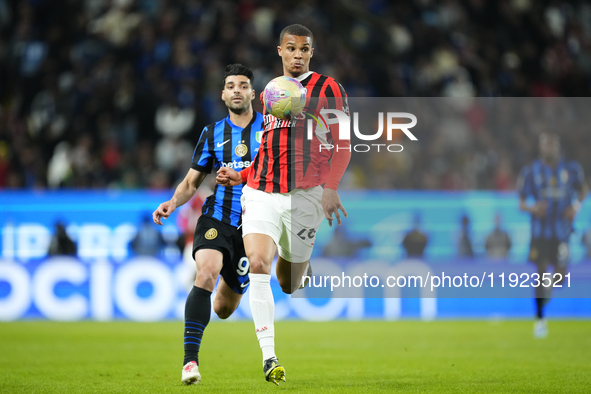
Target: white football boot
(191, 373)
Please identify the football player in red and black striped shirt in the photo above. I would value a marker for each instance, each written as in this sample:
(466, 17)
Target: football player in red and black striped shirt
(291, 187)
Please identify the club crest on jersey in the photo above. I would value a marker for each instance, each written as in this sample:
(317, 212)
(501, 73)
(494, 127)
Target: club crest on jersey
(533, 254)
(211, 234)
(241, 150)
(258, 136)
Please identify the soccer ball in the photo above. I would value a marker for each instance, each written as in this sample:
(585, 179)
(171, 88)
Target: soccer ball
(284, 97)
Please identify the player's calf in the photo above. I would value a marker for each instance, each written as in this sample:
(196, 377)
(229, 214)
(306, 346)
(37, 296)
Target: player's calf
(287, 286)
(224, 311)
(290, 275)
(226, 300)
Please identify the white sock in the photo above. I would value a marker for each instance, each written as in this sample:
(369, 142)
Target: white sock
(262, 307)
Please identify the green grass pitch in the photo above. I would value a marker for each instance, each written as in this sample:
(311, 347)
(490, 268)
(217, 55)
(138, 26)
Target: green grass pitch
(335, 357)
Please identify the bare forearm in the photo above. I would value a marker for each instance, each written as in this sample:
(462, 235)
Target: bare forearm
(245, 173)
(187, 188)
(183, 193)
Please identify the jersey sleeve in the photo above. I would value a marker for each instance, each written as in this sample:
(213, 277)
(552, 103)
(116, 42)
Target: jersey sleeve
(579, 175)
(245, 173)
(524, 182)
(203, 156)
(337, 97)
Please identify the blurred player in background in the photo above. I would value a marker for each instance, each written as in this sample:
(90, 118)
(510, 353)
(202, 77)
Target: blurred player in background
(217, 246)
(284, 202)
(553, 183)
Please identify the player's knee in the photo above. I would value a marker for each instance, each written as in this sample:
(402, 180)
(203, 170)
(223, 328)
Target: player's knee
(205, 280)
(257, 265)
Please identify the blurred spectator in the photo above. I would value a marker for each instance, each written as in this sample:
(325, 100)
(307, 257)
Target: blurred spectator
(117, 23)
(465, 239)
(415, 241)
(342, 244)
(59, 169)
(148, 240)
(173, 154)
(498, 241)
(587, 243)
(61, 244)
(123, 81)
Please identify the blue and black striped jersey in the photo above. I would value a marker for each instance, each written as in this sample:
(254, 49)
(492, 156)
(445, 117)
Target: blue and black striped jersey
(223, 144)
(557, 186)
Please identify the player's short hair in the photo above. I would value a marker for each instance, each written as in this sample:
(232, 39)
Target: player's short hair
(296, 30)
(238, 69)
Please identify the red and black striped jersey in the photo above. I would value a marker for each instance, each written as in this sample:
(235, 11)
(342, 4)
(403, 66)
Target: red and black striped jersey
(287, 159)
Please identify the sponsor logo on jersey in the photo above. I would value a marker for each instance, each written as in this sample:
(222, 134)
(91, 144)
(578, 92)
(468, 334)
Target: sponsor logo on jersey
(553, 193)
(236, 164)
(241, 150)
(223, 143)
(211, 234)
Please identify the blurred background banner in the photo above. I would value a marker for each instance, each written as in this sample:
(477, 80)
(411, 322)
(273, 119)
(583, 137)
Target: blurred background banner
(119, 269)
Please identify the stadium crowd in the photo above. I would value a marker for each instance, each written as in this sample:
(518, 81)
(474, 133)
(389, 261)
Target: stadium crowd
(100, 93)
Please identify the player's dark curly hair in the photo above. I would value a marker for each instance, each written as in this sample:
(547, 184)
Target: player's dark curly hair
(238, 69)
(296, 30)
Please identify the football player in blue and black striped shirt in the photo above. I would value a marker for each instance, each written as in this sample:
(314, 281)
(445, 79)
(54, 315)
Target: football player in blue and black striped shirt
(217, 245)
(558, 188)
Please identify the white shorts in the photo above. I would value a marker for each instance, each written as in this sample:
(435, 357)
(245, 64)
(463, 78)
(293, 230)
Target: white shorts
(291, 219)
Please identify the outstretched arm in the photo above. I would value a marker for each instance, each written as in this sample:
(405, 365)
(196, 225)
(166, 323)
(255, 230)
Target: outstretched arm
(331, 202)
(183, 193)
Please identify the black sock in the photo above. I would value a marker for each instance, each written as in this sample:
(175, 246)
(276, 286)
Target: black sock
(197, 314)
(540, 303)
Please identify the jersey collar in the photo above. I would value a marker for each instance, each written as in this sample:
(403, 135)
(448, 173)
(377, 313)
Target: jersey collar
(558, 163)
(254, 116)
(304, 76)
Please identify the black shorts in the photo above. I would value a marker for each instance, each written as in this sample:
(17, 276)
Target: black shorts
(212, 234)
(549, 251)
